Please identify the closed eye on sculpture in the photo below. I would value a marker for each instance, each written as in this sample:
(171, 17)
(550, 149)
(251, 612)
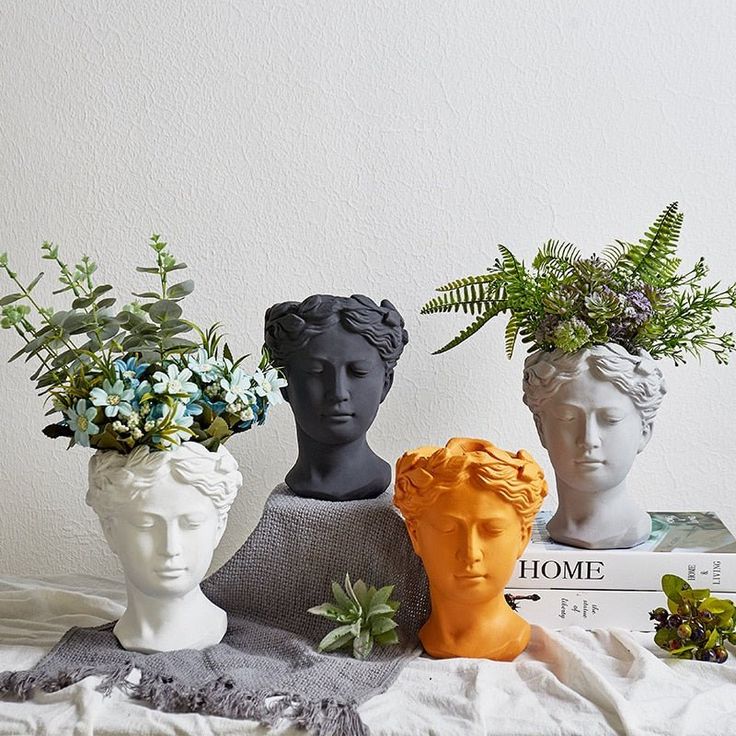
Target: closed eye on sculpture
(141, 521)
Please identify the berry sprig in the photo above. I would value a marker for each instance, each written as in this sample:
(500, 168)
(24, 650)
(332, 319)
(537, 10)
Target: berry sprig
(695, 624)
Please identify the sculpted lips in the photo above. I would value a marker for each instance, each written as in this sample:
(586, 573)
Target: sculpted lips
(338, 415)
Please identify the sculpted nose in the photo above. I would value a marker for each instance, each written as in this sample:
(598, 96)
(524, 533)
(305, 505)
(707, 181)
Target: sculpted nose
(589, 437)
(170, 540)
(469, 548)
(338, 390)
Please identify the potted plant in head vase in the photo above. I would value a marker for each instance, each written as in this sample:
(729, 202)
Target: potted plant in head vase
(596, 327)
(157, 408)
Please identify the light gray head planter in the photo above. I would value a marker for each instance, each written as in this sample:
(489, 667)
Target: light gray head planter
(594, 411)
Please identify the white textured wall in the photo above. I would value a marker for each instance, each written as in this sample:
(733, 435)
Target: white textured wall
(384, 147)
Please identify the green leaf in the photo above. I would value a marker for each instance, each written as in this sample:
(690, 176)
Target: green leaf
(351, 592)
(164, 310)
(712, 639)
(34, 282)
(469, 331)
(336, 639)
(695, 596)
(716, 605)
(387, 638)
(82, 302)
(328, 610)
(382, 595)
(672, 585)
(105, 303)
(148, 295)
(382, 625)
(100, 290)
(380, 609)
(512, 330)
(363, 644)
(663, 637)
(360, 590)
(218, 429)
(9, 299)
(180, 290)
(146, 269)
(342, 599)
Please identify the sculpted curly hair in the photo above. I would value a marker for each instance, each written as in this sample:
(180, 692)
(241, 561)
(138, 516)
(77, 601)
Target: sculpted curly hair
(291, 325)
(425, 473)
(636, 375)
(116, 479)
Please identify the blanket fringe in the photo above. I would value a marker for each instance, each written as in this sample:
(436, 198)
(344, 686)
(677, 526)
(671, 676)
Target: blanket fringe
(221, 697)
(21, 684)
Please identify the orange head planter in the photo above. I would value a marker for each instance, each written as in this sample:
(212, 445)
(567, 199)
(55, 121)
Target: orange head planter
(469, 508)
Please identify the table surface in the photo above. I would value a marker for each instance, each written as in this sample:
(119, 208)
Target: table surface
(568, 682)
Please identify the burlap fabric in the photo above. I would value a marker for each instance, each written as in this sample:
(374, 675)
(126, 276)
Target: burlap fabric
(267, 667)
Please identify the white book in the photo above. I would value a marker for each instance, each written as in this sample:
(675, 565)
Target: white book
(555, 608)
(696, 545)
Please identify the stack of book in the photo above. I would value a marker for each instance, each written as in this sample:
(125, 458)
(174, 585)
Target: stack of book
(557, 586)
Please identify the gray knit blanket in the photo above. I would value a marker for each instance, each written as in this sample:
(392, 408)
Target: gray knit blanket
(267, 667)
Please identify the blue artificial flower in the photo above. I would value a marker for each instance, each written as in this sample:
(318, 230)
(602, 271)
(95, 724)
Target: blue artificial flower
(192, 409)
(175, 382)
(115, 398)
(206, 367)
(217, 406)
(269, 385)
(130, 370)
(178, 430)
(80, 420)
(237, 387)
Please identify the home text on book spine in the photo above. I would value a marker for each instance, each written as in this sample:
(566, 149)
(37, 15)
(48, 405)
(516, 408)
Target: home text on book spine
(565, 570)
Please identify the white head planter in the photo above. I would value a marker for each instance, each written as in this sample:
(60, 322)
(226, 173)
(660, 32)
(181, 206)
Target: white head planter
(594, 411)
(163, 514)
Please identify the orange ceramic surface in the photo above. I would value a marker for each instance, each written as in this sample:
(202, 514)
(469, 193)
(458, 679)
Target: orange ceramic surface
(468, 509)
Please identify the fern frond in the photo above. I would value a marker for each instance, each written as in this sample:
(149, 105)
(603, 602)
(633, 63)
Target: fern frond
(653, 259)
(556, 256)
(473, 328)
(611, 255)
(511, 332)
(485, 278)
(470, 299)
(509, 262)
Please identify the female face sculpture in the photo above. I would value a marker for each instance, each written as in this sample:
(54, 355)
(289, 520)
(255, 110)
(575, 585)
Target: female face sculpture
(338, 354)
(594, 412)
(163, 515)
(468, 508)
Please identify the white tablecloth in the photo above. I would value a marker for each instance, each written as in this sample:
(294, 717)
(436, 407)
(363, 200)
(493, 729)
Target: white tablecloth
(568, 682)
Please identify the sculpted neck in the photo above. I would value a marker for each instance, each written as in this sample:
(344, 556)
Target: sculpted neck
(344, 472)
(153, 624)
(598, 519)
(489, 630)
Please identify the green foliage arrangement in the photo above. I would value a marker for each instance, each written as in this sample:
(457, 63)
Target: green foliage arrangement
(365, 615)
(695, 625)
(129, 378)
(632, 294)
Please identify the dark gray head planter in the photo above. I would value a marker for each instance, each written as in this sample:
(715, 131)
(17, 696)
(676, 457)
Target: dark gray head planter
(338, 354)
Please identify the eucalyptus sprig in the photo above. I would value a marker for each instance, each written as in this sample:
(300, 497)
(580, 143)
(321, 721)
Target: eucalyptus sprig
(632, 294)
(133, 377)
(365, 615)
(695, 624)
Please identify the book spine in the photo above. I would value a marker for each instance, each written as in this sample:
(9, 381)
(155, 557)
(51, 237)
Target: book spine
(623, 570)
(591, 609)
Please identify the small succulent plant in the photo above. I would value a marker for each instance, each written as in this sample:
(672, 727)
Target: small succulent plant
(365, 615)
